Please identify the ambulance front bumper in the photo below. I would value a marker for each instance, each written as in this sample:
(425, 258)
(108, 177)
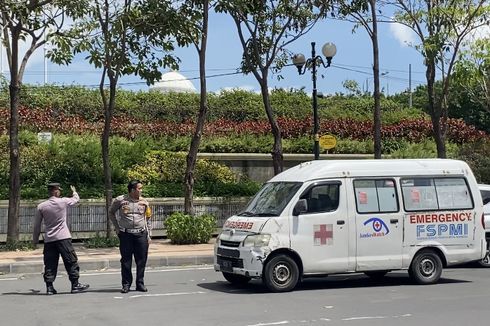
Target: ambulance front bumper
(245, 261)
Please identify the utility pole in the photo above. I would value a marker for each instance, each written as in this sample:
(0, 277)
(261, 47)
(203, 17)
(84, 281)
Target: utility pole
(1, 55)
(410, 85)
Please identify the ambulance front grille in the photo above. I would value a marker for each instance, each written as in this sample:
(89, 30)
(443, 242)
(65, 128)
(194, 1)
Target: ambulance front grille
(228, 252)
(233, 244)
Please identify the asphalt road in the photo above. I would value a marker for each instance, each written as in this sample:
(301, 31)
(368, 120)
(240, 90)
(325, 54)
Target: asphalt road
(200, 296)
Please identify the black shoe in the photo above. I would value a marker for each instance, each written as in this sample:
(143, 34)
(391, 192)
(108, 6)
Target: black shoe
(78, 288)
(125, 289)
(50, 290)
(141, 288)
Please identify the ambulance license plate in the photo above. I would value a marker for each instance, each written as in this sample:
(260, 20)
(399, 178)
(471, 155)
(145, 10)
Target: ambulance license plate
(226, 266)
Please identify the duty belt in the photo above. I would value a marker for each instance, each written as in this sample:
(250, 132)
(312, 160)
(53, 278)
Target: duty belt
(139, 230)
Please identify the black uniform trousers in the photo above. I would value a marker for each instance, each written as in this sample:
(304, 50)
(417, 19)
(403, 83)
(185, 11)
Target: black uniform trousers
(133, 244)
(52, 252)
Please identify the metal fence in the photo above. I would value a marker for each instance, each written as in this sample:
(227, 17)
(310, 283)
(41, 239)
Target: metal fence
(89, 217)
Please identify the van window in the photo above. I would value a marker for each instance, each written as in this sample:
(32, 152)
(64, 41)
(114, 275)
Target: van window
(376, 196)
(421, 194)
(485, 195)
(322, 198)
(271, 199)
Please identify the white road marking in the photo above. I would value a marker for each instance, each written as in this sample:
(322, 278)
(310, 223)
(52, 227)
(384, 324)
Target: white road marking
(273, 323)
(9, 279)
(405, 315)
(165, 294)
(362, 318)
(375, 317)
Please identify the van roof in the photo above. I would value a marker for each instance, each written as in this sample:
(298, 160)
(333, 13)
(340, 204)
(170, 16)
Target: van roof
(372, 168)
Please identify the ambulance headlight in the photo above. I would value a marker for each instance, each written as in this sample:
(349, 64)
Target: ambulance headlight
(257, 240)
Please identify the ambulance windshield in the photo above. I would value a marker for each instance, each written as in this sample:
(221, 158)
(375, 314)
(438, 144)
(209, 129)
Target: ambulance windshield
(271, 199)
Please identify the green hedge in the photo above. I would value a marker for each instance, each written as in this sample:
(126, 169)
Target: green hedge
(186, 229)
(77, 160)
(237, 105)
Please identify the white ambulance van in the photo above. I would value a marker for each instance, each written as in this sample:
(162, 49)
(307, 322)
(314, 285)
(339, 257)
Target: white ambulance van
(372, 216)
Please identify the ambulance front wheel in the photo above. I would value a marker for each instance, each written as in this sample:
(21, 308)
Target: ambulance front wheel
(281, 274)
(426, 267)
(236, 279)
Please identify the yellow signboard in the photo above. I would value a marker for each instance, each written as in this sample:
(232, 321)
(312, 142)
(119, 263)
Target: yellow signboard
(327, 141)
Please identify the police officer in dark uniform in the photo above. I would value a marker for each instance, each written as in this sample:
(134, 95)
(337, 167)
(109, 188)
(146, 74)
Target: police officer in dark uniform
(57, 238)
(133, 229)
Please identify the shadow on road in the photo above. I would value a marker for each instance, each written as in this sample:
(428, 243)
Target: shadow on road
(39, 292)
(322, 283)
(31, 292)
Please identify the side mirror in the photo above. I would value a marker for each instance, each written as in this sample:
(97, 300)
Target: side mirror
(301, 207)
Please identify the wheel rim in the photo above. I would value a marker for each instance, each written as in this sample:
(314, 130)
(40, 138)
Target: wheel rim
(281, 274)
(486, 259)
(427, 267)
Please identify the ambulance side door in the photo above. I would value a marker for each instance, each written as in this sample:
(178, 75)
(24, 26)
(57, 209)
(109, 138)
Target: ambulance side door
(379, 224)
(320, 235)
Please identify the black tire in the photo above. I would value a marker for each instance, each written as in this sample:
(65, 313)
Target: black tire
(485, 262)
(236, 279)
(376, 275)
(426, 267)
(281, 274)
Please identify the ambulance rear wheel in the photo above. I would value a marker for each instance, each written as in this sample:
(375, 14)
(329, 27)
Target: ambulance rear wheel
(236, 279)
(426, 267)
(485, 262)
(281, 274)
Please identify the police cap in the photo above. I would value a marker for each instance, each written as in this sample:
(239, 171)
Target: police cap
(54, 185)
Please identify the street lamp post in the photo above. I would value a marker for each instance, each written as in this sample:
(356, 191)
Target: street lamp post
(329, 50)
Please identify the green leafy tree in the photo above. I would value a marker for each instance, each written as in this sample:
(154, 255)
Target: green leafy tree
(472, 73)
(122, 38)
(352, 87)
(442, 27)
(265, 29)
(36, 22)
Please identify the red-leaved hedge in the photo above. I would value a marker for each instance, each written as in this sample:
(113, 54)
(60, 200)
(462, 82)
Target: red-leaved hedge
(410, 130)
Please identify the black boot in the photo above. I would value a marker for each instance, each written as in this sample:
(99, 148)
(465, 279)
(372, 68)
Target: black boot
(50, 290)
(78, 287)
(125, 288)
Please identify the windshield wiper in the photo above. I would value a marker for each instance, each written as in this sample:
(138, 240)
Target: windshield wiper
(246, 213)
(267, 214)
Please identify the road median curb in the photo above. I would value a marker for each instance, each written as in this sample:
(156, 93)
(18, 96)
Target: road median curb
(154, 261)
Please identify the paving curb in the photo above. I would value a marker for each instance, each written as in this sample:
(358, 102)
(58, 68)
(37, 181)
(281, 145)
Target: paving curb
(37, 266)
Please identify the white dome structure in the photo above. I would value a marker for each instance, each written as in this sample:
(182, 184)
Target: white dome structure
(173, 82)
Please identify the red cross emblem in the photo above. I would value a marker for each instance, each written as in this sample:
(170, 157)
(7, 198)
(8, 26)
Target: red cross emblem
(322, 234)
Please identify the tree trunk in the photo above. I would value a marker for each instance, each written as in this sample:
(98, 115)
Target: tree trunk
(14, 177)
(277, 157)
(376, 95)
(435, 112)
(106, 160)
(201, 119)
